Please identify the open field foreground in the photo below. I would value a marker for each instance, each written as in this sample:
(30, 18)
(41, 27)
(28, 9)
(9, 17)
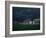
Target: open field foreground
(20, 27)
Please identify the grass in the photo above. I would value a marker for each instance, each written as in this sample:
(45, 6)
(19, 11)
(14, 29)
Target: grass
(21, 27)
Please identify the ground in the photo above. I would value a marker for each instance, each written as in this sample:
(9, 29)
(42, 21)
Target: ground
(20, 27)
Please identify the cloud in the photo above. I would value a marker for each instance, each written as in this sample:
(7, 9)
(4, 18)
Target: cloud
(24, 13)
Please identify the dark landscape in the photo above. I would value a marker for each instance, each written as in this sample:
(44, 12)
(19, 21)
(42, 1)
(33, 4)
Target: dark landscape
(26, 18)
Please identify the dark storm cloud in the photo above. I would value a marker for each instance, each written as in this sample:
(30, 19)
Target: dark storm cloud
(21, 13)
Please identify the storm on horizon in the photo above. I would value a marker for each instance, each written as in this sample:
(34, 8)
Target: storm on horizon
(22, 13)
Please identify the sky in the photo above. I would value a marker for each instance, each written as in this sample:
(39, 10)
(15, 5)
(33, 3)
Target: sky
(22, 13)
